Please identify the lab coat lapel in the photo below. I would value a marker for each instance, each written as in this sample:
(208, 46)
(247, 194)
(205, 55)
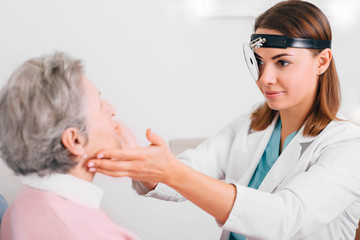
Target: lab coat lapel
(286, 162)
(256, 143)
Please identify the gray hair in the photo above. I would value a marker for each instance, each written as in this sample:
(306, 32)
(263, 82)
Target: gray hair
(42, 98)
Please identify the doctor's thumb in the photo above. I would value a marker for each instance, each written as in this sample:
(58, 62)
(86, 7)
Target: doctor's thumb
(153, 138)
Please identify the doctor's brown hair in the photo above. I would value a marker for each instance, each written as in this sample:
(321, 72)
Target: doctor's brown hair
(299, 19)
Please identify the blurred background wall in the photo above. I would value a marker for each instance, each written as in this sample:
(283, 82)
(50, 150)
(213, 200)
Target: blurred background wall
(173, 65)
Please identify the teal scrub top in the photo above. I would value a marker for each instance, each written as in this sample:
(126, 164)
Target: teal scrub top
(3, 206)
(270, 155)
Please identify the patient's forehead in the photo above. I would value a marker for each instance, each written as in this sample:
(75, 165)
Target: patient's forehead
(89, 87)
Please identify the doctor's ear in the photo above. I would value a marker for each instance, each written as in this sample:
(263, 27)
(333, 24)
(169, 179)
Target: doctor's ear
(323, 60)
(74, 141)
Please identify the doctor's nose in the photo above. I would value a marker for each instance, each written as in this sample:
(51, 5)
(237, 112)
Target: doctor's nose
(267, 75)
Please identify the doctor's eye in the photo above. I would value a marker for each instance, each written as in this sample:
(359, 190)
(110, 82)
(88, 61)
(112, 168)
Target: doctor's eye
(283, 63)
(259, 62)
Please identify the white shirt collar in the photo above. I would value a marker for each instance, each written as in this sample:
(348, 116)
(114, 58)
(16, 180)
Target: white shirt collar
(66, 186)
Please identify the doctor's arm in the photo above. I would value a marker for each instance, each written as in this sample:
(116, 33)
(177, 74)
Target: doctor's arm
(156, 163)
(303, 205)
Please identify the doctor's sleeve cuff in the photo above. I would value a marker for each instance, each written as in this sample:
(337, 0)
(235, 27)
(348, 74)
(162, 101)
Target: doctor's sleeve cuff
(255, 212)
(139, 187)
(236, 213)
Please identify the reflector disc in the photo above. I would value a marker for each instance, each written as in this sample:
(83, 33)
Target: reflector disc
(251, 61)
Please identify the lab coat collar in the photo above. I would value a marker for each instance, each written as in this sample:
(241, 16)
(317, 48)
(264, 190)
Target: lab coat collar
(66, 186)
(286, 161)
(255, 140)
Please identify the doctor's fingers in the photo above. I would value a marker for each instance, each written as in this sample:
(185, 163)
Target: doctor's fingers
(155, 139)
(111, 173)
(123, 154)
(136, 170)
(114, 168)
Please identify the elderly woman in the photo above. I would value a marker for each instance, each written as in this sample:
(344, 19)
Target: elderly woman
(52, 120)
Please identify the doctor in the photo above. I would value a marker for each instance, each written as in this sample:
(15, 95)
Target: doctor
(290, 169)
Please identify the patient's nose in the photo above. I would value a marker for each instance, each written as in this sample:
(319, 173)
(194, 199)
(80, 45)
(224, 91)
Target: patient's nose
(109, 108)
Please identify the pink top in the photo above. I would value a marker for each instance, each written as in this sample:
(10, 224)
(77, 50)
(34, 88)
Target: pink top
(38, 214)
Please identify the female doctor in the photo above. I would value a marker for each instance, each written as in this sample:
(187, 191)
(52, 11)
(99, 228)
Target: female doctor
(290, 169)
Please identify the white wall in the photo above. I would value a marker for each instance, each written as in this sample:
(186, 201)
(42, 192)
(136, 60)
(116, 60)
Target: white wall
(162, 65)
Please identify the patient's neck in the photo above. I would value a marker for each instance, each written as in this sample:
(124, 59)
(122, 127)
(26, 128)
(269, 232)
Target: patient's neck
(80, 171)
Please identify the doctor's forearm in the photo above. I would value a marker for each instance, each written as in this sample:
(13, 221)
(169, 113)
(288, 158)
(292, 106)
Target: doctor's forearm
(213, 196)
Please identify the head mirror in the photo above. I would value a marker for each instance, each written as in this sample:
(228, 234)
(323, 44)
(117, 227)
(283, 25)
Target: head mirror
(276, 41)
(251, 61)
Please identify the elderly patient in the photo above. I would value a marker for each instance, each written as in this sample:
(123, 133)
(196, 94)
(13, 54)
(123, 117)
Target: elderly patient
(52, 120)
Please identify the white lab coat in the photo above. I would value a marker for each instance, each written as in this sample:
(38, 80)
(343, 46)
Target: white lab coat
(311, 192)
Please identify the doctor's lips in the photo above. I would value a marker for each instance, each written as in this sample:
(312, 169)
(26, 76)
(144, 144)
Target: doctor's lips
(273, 94)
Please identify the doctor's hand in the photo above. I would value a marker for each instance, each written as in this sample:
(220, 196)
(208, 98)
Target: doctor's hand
(155, 163)
(152, 164)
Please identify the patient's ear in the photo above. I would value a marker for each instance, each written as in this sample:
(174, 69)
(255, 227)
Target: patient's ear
(74, 141)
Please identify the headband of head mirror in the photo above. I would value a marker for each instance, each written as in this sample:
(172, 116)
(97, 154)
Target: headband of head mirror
(277, 41)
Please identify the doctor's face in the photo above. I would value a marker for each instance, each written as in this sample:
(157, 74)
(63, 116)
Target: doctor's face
(101, 127)
(287, 77)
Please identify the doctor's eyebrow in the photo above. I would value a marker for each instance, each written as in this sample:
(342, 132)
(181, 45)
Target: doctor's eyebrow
(280, 55)
(257, 55)
(274, 57)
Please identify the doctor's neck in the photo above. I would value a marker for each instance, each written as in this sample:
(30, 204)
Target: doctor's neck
(291, 121)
